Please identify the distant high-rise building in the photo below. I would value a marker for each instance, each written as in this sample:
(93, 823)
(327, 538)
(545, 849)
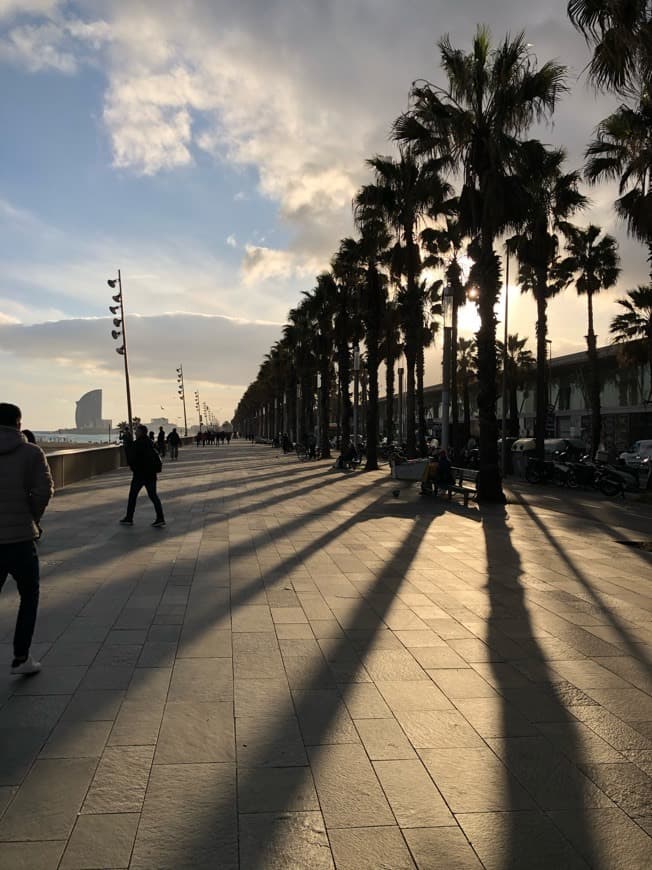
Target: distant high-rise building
(88, 414)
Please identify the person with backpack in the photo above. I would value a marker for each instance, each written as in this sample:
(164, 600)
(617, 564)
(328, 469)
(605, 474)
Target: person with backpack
(145, 464)
(25, 490)
(174, 440)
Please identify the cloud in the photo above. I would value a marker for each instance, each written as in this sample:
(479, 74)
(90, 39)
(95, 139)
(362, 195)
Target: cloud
(231, 241)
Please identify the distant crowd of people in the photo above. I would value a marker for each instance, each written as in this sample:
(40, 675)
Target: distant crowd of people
(213, 436)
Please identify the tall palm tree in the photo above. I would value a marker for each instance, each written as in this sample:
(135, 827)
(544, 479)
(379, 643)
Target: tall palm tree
(348, 275)
(619, 32)
(405, 190)
(479, 121)
(635, 322)
(622, 150)
(322, 303)
(550, 196)
(594, 261)
(467, 370)
(391, 350)
(444, 245)
(520, 364)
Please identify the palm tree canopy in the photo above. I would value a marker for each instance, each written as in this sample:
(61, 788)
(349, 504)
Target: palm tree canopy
(595, 259)
(620, 32)
(622, 149)
(635, 322)
(493, 96)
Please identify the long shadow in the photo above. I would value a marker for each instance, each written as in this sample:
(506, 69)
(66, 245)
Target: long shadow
(533, 756)
(633, 647)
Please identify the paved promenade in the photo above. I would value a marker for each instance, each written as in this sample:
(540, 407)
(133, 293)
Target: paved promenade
(303, 671)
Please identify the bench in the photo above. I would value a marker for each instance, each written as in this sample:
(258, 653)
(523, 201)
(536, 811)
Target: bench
(461, 476)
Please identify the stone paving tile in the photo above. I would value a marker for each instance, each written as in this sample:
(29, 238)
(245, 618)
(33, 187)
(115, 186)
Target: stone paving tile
(402, 695)
(605, 838)
(627, 786)
(278, 789)
(474, 781)
(441, 849)
(323, 718)
(137, 724)
(384, 739)
(120, 780)
(72, 739)
(370, 849)
(462, 683)
(48, 801)
(25, 744)
(414, 800)
(530, 840)
(188, 819)
(438, 729)
(103, 841)
(282, 840)
(348, 790)
(196, 731)
(29, 856)
(269, 742)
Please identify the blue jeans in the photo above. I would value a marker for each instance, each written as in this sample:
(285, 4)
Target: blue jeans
(137, 483)
(20, 559)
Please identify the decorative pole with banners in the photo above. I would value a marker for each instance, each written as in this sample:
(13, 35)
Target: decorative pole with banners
(116, 333)
(182, 396)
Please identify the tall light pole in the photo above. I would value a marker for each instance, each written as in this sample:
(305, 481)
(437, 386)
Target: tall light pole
(198, 408)
(401, 372)
(182, 396)
(446, 363)
(318, 410)
(356, 390)
(298, 409)
(503, 443)
(119, 298)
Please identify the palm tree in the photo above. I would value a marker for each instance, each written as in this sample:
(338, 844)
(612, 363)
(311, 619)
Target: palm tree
(619, 31)
(595, 262)
(622, 150)
(519, 365)
(635, 322)
(444, 245)
(550, 197)
(478, 122)
(346, 270)
(405, 191)
(391, 350)
(467, 370)
(322, 302)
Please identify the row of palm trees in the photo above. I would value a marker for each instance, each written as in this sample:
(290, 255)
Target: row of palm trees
(415, 231)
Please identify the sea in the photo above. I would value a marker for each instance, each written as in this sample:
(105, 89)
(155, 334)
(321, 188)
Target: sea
(70, 438)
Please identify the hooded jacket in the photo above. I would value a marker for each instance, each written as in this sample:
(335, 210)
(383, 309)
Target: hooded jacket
(143, 458)
(25, 486)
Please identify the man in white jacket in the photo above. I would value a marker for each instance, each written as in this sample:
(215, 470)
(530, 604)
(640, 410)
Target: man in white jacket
(25, 490)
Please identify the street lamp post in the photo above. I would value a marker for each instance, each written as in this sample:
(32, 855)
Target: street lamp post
(298, 409)
(318, 410)
(356, 390)
(446, 362)
(198, 407)
(503, 443)
(401, 372)
(182, 396)
(119, 298)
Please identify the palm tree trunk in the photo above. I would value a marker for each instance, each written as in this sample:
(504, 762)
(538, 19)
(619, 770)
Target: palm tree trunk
(455, 415)
(345, 395)
(594, 367)
(466, 405)
(489, 481)
(410, 435)
(421, 404)
(513, 410)
(542, 365)
(324, 406)
(389, 396)
(412, 339)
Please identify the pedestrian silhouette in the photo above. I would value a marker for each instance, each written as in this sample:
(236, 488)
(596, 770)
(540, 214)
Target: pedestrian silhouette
(145, 464)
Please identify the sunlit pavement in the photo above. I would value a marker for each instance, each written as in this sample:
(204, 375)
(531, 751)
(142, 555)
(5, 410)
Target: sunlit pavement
(304, 671)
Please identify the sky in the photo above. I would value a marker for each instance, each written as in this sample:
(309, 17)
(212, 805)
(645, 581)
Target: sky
(210, 150)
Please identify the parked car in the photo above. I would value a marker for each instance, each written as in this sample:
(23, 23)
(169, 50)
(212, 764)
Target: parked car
(639, 451)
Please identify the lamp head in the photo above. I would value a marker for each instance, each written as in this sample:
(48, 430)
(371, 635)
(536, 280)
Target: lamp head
(116, 321)
(112, 282)
(116, 298)
(113, 309)
(115, 333)
(120, 350)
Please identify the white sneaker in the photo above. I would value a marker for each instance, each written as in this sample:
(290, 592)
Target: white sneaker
(29, 666)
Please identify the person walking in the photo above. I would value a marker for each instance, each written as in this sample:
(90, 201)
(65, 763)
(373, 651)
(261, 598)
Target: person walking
(160, 441)
(25, 490)
(174, 440)
(145, 464)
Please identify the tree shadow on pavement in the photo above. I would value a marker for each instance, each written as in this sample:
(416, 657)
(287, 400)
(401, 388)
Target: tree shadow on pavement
(537, 738)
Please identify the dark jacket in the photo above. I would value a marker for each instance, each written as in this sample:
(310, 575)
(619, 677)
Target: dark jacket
(143, 458)
(174, 439)
(25, 486)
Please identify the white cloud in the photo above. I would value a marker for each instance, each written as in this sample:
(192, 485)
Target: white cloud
(231, 241)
